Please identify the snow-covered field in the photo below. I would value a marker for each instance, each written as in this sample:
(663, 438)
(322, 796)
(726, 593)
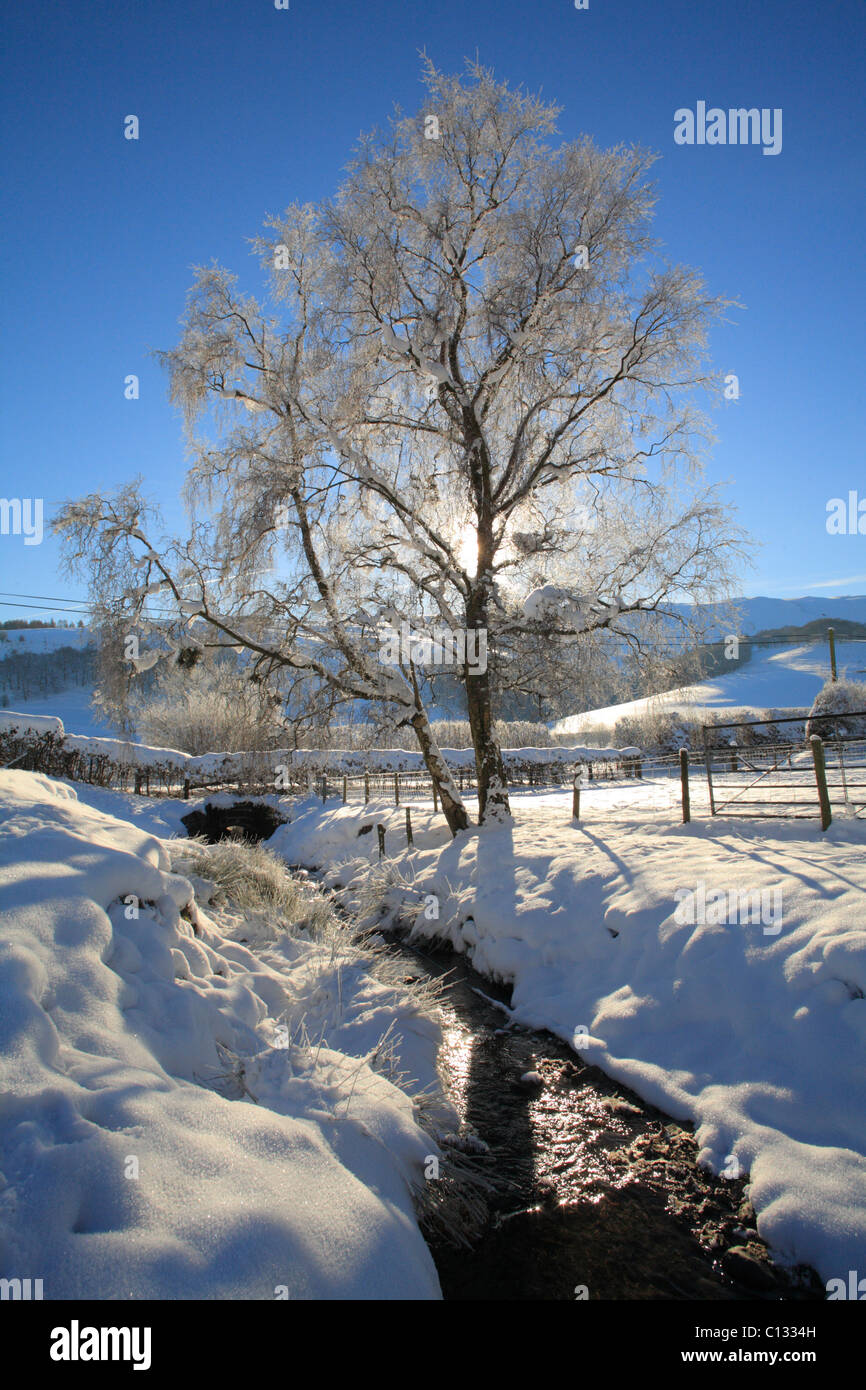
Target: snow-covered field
(626, 935)
(160, 1139)
(72, 707)
(161, 1135)
(777, 678)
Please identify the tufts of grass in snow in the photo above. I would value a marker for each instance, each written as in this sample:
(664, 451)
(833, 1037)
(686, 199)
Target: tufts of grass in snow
(251, 877)
(453, 1206)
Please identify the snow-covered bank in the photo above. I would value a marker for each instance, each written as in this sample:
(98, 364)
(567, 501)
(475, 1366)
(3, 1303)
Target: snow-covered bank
(192, 1104)
(750, 1020)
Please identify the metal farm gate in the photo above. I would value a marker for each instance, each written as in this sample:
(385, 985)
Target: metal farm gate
(770, 769)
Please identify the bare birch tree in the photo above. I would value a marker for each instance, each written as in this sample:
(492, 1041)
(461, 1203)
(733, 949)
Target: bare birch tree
(512, 364)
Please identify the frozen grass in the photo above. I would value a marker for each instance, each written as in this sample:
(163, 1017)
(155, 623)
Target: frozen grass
(254, 879)
(251, 877)
(453, 1207)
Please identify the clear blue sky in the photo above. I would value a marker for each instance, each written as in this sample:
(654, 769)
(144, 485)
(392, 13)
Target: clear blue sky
(244, 108)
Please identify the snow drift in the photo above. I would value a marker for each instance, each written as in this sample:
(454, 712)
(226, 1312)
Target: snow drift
(161, 1137)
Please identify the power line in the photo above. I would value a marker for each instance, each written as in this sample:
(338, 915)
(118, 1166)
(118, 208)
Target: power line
(45, 608)
(688, 643)
(13, 593)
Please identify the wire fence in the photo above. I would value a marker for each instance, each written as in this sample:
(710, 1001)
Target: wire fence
(418, 785)
(739, 772)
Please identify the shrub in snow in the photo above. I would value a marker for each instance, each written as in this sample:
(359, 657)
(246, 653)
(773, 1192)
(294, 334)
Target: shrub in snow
(448, 733)
(208, 708)
(833, 714)
(662, 730)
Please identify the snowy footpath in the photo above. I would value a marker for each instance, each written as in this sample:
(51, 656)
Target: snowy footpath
(717, 968)
(192, 1105)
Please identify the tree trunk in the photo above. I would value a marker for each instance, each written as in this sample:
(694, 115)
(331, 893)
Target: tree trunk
(493, 803)
(452, 803)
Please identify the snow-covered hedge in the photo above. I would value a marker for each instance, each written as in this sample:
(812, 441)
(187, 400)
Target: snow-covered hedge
(339, 762)
(172, 765)
(838, 711)
(10, 722)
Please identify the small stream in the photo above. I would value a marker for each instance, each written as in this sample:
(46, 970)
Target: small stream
(591, 1192)
(595, 1193)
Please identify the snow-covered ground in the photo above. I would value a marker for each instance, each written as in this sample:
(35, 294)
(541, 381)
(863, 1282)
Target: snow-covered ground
(777, 678)
(161, 1136)
(140, 1160)
(625, 934)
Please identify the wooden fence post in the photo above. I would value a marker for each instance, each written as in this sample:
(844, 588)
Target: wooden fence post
(575, 797)
(380, 831)
(344, 790)
(821, 779)
(186, 789)
(396, 789)
(366, 787)
(409, 839)
(684, 784)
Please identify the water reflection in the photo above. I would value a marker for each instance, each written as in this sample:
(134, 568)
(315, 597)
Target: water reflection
(591, 1189)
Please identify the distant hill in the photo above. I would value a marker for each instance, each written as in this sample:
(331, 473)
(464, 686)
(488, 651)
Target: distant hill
(761, 614)
(43, 639)
(816, 631)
